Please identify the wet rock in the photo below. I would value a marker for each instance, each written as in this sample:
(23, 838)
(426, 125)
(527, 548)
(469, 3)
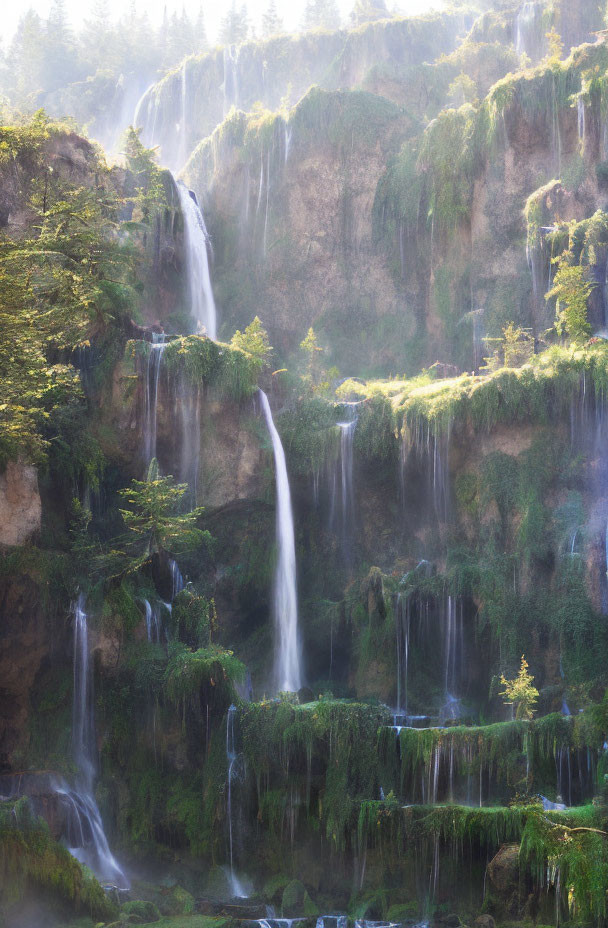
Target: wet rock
(503, 869)
(484, 921)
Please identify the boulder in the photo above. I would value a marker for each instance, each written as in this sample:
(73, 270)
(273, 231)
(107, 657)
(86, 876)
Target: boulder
(503, 869)
(20, 506)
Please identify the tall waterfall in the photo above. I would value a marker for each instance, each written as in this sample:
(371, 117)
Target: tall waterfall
(232, 758)
(202, 303)
(529, 31)
(151, 398)
(287, 661)
(344, 522)
(86, 836)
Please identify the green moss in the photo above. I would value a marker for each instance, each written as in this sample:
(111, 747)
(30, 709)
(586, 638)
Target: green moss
(139, 912)
(229, 371)
(281, 741)
(31, 859)
(309, 434)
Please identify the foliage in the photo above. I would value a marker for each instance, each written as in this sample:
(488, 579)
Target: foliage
(154, 524)
(254, 341)
(141, 161)
(571, 289)
(211, 668)
(30, 858)
(513, 349)
(280, 738)
(66, 281)
(229, 370)
(309, 434)
(521, 692)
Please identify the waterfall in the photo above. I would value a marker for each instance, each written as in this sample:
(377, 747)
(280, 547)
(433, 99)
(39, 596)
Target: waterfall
(402, 631)
(288, 134)
(232, 758)
(85, 834)
(580, 106)
(176, 578)
(155, 358)
(452, 647)
(288, 674)
(153, 620)
(188, 408)
(342, 500)
(148, 106)
(231, 77)
(183, 149)
(202, 303)
(529, 30)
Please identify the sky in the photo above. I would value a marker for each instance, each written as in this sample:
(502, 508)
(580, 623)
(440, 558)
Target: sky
(290, 10)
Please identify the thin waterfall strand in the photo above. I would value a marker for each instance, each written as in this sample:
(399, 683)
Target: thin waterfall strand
(288, 673)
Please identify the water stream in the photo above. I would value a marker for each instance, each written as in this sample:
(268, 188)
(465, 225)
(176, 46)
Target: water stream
(155, 359)
(86, 837)
(287, 649)
(234, 760)
(202, 302)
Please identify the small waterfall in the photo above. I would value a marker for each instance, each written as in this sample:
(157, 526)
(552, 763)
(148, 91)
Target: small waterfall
(233, 759)
(342, 505)
(202, 303)
(153, 620)
(453, 633)
(288, 135)
(402, 631)
(231, 77)
(155, 358)
(86, 836)
(529, 30)
(146, 115)
(188, 408)
(580, 106)
(183, 121)
(288, 673)
(177, 581)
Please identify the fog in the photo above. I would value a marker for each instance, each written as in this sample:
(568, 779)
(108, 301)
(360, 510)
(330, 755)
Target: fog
(291, 11)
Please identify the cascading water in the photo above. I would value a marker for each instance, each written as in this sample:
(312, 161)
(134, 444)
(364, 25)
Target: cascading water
(233, 759)
(86, 837)
(177, 581)
(153, 620)
(183, 121)
(202, 302)
(188, 408)
(287, 662)
(155, 358)
(231, 77)
(342, 503)
(529, 32)
(146, 114)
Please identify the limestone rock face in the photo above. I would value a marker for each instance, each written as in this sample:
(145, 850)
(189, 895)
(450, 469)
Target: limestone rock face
(26, 640)
(20, 506)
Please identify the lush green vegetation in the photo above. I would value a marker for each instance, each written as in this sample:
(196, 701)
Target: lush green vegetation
(32, 862)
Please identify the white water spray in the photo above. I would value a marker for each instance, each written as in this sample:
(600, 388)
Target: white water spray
(288, 673)
(202, 303)
(86, 838)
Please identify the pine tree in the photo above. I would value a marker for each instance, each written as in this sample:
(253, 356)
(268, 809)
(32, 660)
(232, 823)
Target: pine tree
(321, 14)
(272, 24)
(26, 57)
(201, 42)
(235, 25)
(97, 37)
(367, 11)
(60, 58)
